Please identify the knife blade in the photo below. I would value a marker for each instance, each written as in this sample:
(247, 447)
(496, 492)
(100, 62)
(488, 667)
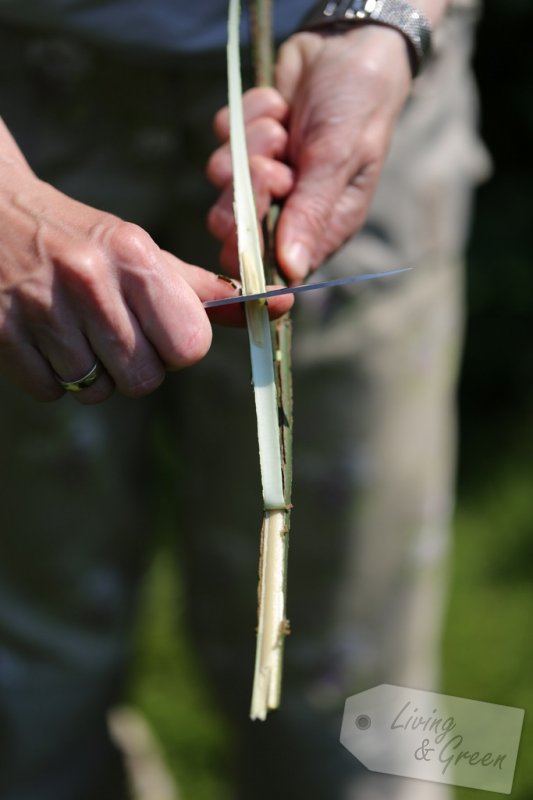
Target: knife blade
(304, 287)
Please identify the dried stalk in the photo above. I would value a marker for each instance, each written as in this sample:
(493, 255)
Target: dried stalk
(262, 41)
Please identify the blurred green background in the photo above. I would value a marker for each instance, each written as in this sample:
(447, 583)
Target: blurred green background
(488, 649)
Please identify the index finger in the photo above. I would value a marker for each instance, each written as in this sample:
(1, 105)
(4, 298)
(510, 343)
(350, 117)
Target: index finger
(209, 286)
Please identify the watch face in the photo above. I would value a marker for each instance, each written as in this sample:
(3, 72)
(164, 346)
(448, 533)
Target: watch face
(358, 8)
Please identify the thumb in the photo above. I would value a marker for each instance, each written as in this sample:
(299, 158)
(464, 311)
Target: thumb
(307, 212)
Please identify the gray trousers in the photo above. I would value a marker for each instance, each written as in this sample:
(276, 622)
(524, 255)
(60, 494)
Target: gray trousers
(375, 373)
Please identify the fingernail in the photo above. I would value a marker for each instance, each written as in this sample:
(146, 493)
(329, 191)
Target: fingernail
(233, 282)
(297, 260)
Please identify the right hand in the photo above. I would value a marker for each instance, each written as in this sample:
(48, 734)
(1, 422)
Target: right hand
(78, 284)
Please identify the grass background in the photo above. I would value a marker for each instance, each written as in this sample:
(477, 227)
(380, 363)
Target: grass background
(488, 647)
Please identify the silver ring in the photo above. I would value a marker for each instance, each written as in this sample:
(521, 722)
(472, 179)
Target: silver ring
(82, 383)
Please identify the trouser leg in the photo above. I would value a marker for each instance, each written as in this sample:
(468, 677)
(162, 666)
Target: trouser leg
(72, 545)
(74, 480)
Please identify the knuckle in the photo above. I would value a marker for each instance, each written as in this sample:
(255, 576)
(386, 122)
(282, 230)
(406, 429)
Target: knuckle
(262, 172)
(140, 378)
(140, 387)
(285, 54)
(276, 104)
(272, 136)
(256, 93)
(81, 266)
(131, 243)
(264, 101)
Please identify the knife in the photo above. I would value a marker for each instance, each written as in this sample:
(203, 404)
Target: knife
(304, 287)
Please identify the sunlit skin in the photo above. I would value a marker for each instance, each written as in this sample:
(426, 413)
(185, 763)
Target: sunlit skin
(319, 140)
(77, 283)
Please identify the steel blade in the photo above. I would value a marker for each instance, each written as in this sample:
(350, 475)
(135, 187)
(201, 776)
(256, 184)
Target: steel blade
(304, 287)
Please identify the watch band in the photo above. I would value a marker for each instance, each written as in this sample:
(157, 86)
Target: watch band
(393, 13)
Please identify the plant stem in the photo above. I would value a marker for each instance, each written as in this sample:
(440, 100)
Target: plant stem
(275, 530)
(272, 624)
(262, 41)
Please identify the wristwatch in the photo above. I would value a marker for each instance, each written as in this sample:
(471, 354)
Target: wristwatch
(402, 16)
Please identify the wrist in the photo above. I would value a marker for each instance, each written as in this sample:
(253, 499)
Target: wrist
(409, 21)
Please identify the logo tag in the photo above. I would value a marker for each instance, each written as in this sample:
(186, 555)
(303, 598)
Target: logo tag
(433, 737)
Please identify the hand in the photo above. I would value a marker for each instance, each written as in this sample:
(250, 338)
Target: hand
(320, 141)
(77, 284)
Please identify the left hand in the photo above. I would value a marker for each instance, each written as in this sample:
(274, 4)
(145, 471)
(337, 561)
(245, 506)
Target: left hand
(319, 141)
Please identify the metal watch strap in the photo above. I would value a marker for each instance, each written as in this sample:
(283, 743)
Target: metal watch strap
(393, 13)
